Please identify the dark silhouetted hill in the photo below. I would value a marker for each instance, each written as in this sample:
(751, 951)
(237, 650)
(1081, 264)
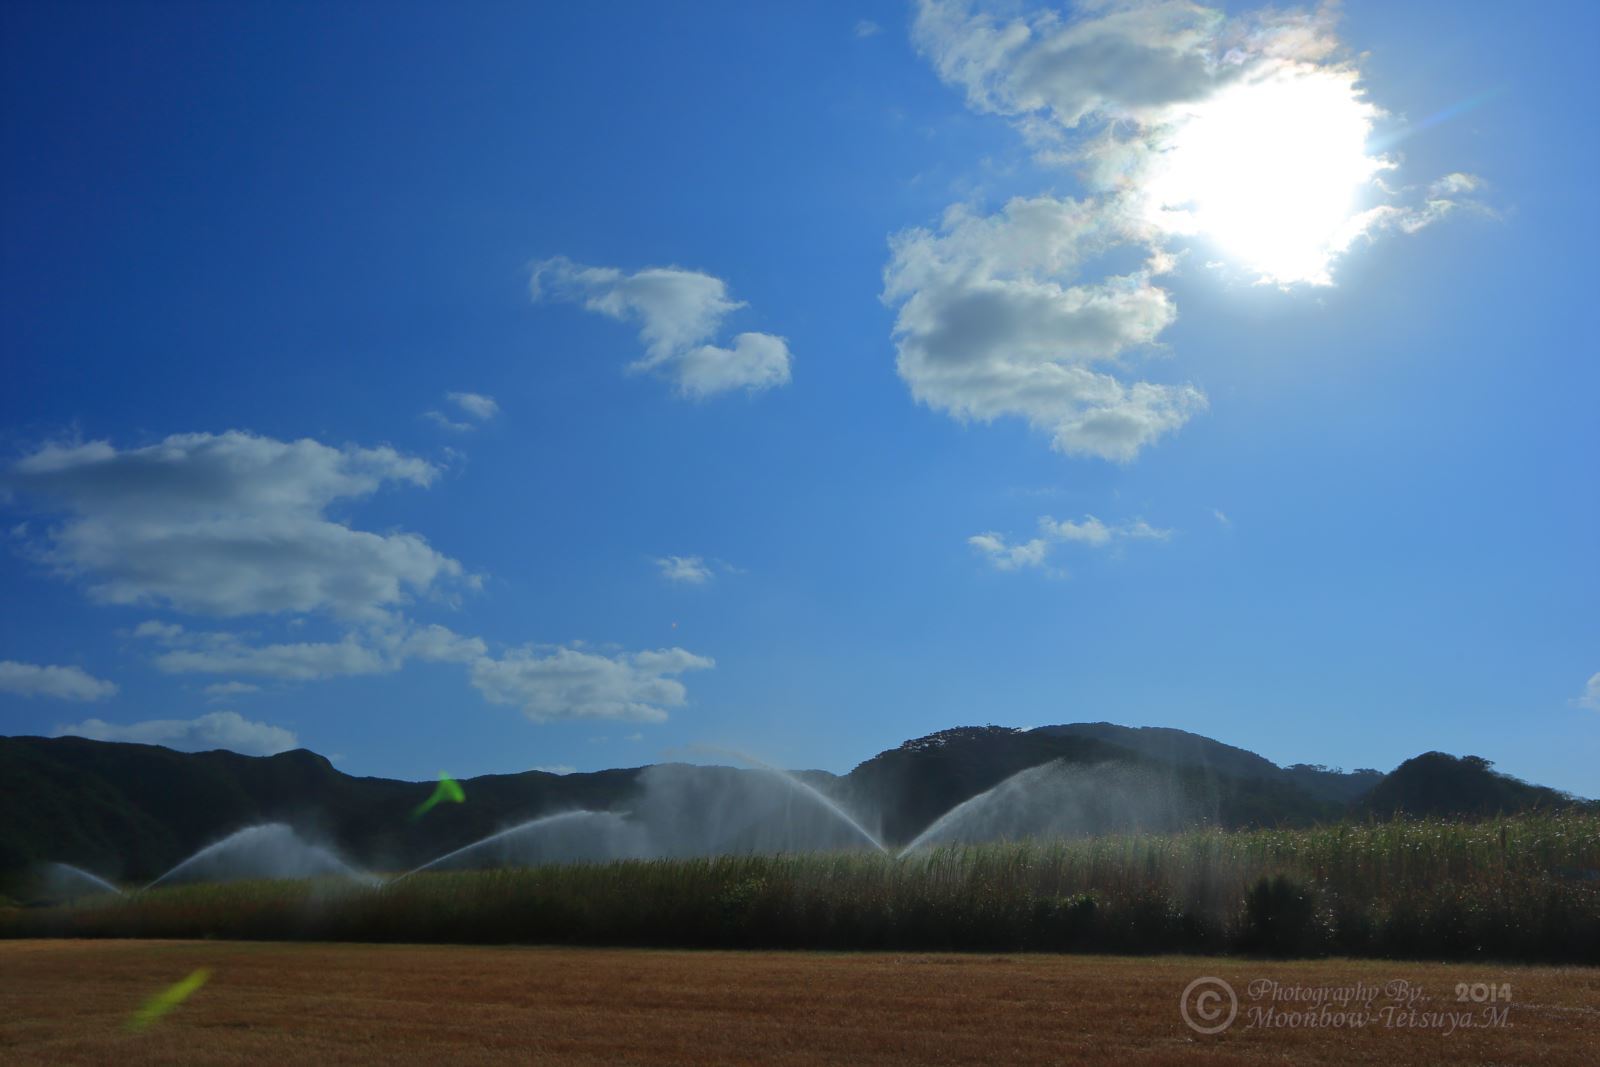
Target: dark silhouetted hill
(922, 779)
(1437, 784)
(129, 812)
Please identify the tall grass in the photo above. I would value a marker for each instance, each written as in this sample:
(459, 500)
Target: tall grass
(1523, 888)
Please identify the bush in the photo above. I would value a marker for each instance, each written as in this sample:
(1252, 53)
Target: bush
(1280, 918)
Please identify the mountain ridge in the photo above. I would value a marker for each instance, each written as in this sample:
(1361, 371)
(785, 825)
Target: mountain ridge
(129, 810)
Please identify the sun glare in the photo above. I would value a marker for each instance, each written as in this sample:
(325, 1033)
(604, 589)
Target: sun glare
(1272, 172)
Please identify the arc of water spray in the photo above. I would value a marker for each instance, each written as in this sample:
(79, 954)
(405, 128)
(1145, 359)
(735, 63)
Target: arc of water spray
(543, 820)
(1133, 790)
(89, 876)
(803, 786)
(972, 803)
(326, 861)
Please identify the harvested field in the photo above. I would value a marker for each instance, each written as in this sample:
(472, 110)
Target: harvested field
(65, 1001)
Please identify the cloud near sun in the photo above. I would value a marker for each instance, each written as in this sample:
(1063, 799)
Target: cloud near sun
(1247, 134)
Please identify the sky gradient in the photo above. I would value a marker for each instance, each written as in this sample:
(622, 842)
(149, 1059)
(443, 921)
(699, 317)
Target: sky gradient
(500, 387)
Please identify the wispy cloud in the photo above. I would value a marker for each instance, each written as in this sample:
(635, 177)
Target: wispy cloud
(477, 405)
(689, 570)
(547, 682)
(378, 650)
(60, 683)
(1590, 698)
(1006, 556)
(679, 312)
(1090, 532)
(299, 662)
(228, 690)
(570, 683)
(477, 408)
(218, 729)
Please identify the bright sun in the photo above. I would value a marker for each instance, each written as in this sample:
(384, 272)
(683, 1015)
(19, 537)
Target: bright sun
(1271, 171)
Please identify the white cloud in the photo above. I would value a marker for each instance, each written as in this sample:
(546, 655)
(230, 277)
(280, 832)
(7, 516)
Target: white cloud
(230, 524)
(1129, 60)
(691, 570)
(556, 768)
(990, 325)
(477, 407)
(218, 729)
(756, 361)
(546, 682)
(436, 644)
(679, 312)
(302, 662)
(226, 690)
(159, 631)
(1449, 195)
(1091, 531)
(1009, 556)
(867, 28)
(567, 683)
(1252, 130)
(62, 683)
(1591, 694)
(381, 650)
(1221, 517)
(443, 421)
(1096, 534)
(1184, 124)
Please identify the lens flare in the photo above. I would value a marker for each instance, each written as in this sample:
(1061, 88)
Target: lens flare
(448, 789)
(167, 999)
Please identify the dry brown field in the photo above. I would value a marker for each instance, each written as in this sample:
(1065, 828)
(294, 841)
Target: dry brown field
(69, 1002)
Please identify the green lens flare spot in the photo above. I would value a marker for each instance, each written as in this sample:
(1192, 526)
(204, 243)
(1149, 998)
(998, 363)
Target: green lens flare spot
(167, 999)
(448, 789)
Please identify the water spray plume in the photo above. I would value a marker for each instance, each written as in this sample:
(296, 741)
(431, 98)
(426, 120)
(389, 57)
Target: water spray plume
(571, 836)
(805, 788)
(447, 789)
(167, 999)
(1059, 800)
(269, 850)
(66, 881)
(680, 811)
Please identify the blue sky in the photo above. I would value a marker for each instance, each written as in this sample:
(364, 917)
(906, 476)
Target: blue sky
(882, 326)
